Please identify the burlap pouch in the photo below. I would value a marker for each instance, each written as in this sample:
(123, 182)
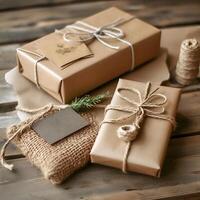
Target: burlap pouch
(60, 160)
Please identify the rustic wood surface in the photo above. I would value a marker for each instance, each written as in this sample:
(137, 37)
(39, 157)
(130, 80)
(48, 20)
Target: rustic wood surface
(22, 21)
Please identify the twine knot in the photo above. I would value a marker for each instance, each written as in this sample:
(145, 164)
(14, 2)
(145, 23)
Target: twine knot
(106, 31)
(151, 105)
(84, 32)
(87, 32)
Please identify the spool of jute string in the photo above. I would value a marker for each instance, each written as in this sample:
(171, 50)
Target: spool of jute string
(187, 67)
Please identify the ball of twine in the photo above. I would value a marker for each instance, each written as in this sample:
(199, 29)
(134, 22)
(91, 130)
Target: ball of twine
(187, 67)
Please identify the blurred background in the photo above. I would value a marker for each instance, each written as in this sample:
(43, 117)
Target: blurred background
(22, 20)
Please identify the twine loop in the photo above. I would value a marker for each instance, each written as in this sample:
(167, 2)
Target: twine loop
(86, 32)
(151, 105)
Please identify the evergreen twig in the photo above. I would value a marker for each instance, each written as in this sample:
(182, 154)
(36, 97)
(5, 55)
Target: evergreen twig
(88, 102)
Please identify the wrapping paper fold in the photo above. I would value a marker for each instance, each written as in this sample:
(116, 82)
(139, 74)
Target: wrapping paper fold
(148, 151)
(84, 74)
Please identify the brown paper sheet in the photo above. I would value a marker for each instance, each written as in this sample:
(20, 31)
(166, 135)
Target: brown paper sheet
(147, 152)
(171, 39)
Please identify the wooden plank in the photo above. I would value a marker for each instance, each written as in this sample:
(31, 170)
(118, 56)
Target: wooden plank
(180, 175)
(181, 192)
(7, 119)
(188, 116)
(7, 56)
(13, 4)
(7, 114)
(23, 171)
(12, 151)
(20, 26)
(8, 99)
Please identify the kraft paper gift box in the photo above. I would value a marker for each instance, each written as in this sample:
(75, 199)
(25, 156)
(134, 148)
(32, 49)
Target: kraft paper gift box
(67, 69)
(147, 150)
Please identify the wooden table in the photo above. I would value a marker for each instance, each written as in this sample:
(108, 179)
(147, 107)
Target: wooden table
(22, 21)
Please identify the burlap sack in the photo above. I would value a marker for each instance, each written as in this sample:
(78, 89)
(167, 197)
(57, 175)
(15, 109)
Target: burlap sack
(60, 160)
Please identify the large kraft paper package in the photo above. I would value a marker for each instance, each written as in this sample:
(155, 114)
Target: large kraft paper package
(92, 63)
(147, 151)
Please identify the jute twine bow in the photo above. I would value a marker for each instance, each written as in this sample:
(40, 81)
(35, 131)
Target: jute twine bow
(151, 105)
(87, 32)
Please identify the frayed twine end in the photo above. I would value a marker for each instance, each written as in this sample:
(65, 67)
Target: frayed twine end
(6, 165)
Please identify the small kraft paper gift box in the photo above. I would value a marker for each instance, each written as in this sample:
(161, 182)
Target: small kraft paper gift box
(135, 132)
(80, 57)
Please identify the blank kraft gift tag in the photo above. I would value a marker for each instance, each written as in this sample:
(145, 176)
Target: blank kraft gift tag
(60, 52)
(59, 125)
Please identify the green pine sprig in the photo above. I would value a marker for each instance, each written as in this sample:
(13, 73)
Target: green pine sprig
(88, 102)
